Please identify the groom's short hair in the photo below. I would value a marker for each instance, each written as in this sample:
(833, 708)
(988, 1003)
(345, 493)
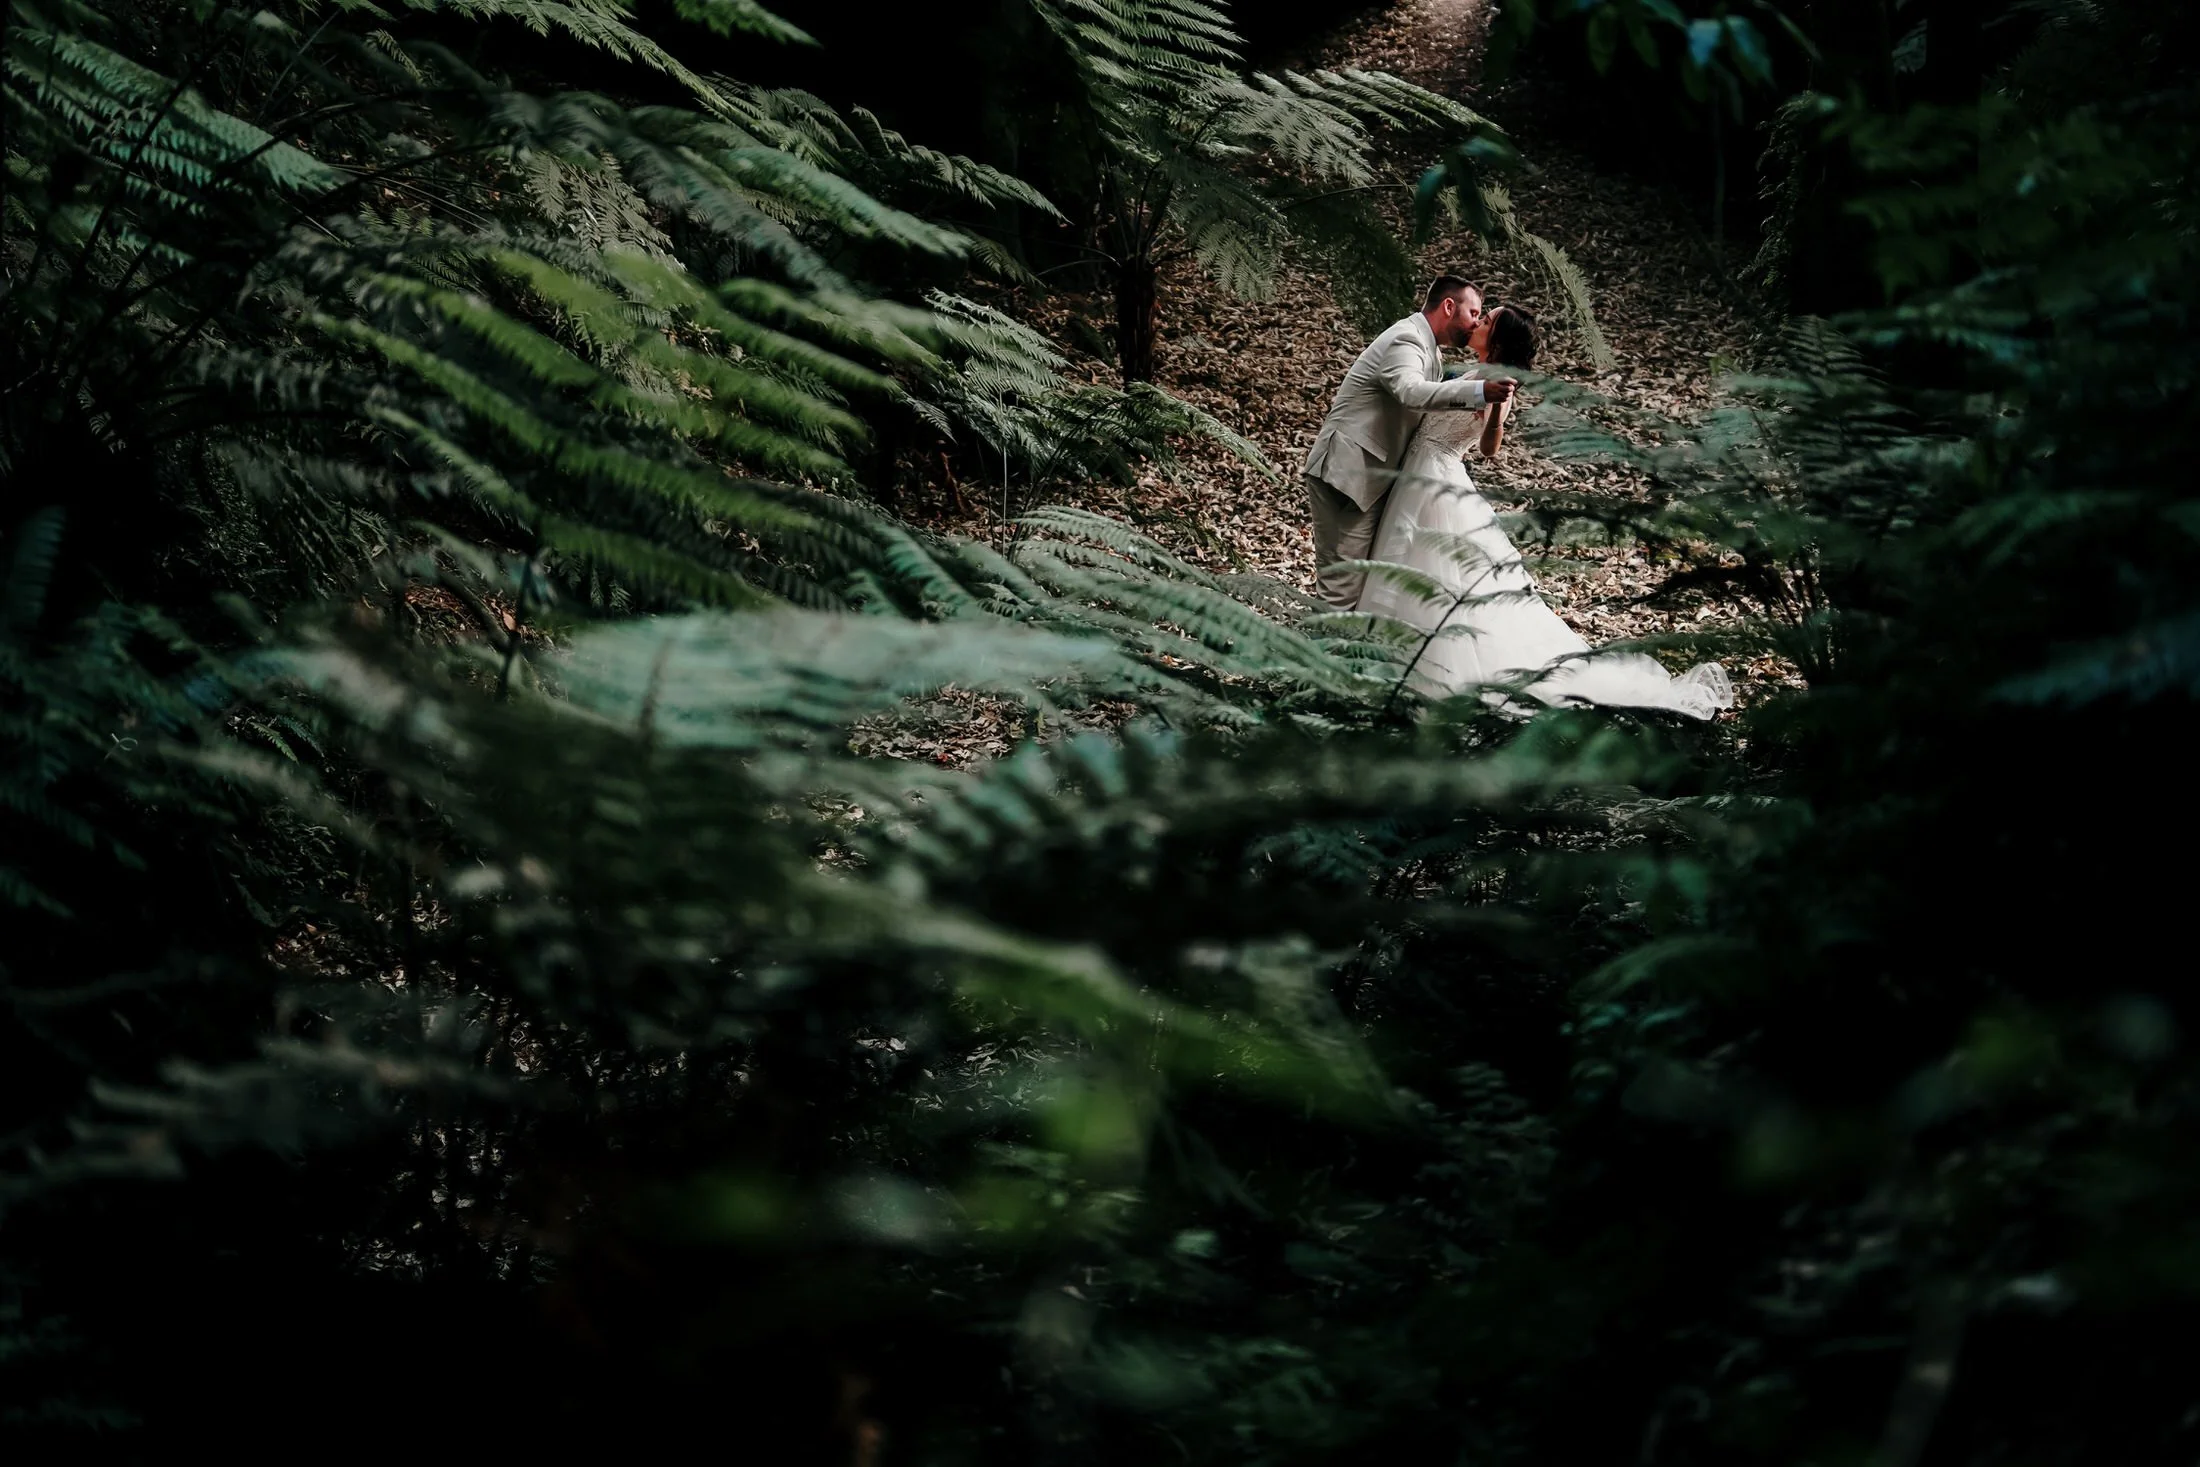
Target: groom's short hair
(1444, 288)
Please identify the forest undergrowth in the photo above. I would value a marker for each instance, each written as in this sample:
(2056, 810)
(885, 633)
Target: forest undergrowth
(1674, 321)
(580, 873)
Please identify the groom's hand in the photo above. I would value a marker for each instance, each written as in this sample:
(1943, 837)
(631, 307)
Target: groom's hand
(1496, 389)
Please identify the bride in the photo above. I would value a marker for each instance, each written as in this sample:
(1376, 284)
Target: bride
(1463, 581)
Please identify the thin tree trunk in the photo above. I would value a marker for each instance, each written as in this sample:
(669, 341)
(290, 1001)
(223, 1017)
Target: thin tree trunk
(1955, 76)
(1137, 320)
(1718, 181)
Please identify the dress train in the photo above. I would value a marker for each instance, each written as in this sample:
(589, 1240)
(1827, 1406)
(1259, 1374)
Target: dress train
(1465, 582)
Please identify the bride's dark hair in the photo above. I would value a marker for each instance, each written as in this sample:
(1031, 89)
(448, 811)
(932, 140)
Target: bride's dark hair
(1512, 336)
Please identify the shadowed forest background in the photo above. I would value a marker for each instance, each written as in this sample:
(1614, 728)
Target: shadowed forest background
(669, 778)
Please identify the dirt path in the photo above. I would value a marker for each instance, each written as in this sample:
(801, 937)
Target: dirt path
(1270, 369)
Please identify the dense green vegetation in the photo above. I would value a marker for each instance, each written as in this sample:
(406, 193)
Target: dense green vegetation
(460, 978)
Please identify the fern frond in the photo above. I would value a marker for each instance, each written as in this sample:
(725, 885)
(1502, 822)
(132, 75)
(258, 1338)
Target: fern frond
(36, 543)
(1289, 120)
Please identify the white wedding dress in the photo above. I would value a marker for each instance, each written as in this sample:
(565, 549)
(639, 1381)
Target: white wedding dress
(1492, 630)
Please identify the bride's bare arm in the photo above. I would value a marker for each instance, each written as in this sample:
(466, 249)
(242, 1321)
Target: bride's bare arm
(1493, 431)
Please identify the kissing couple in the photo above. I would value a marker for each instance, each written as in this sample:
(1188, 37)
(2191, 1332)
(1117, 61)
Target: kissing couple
(1401, 532)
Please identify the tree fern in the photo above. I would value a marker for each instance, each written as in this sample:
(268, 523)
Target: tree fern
(556, 319)
(1201, 157)
(1003, 384)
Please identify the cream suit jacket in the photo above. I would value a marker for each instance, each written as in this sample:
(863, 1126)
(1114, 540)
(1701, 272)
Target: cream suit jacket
(1397, 379)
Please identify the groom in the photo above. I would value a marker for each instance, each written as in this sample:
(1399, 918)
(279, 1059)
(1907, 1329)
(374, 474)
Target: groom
(1356, 455)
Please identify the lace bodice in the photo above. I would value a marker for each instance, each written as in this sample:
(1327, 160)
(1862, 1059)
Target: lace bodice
(1450, 432)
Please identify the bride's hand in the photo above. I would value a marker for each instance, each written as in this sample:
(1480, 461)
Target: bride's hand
(1496, 390)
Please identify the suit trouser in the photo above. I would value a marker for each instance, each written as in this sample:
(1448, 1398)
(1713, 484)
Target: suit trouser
(1342, 531)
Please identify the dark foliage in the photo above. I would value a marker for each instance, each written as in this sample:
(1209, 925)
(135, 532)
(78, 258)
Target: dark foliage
(459, 971)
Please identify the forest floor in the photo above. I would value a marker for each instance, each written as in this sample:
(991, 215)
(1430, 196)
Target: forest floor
(1672, 318)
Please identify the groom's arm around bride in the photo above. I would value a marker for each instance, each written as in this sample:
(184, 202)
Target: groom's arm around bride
(1355, 456)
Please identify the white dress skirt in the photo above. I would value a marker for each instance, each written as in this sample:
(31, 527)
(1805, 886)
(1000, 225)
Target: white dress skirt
(1463, 581)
